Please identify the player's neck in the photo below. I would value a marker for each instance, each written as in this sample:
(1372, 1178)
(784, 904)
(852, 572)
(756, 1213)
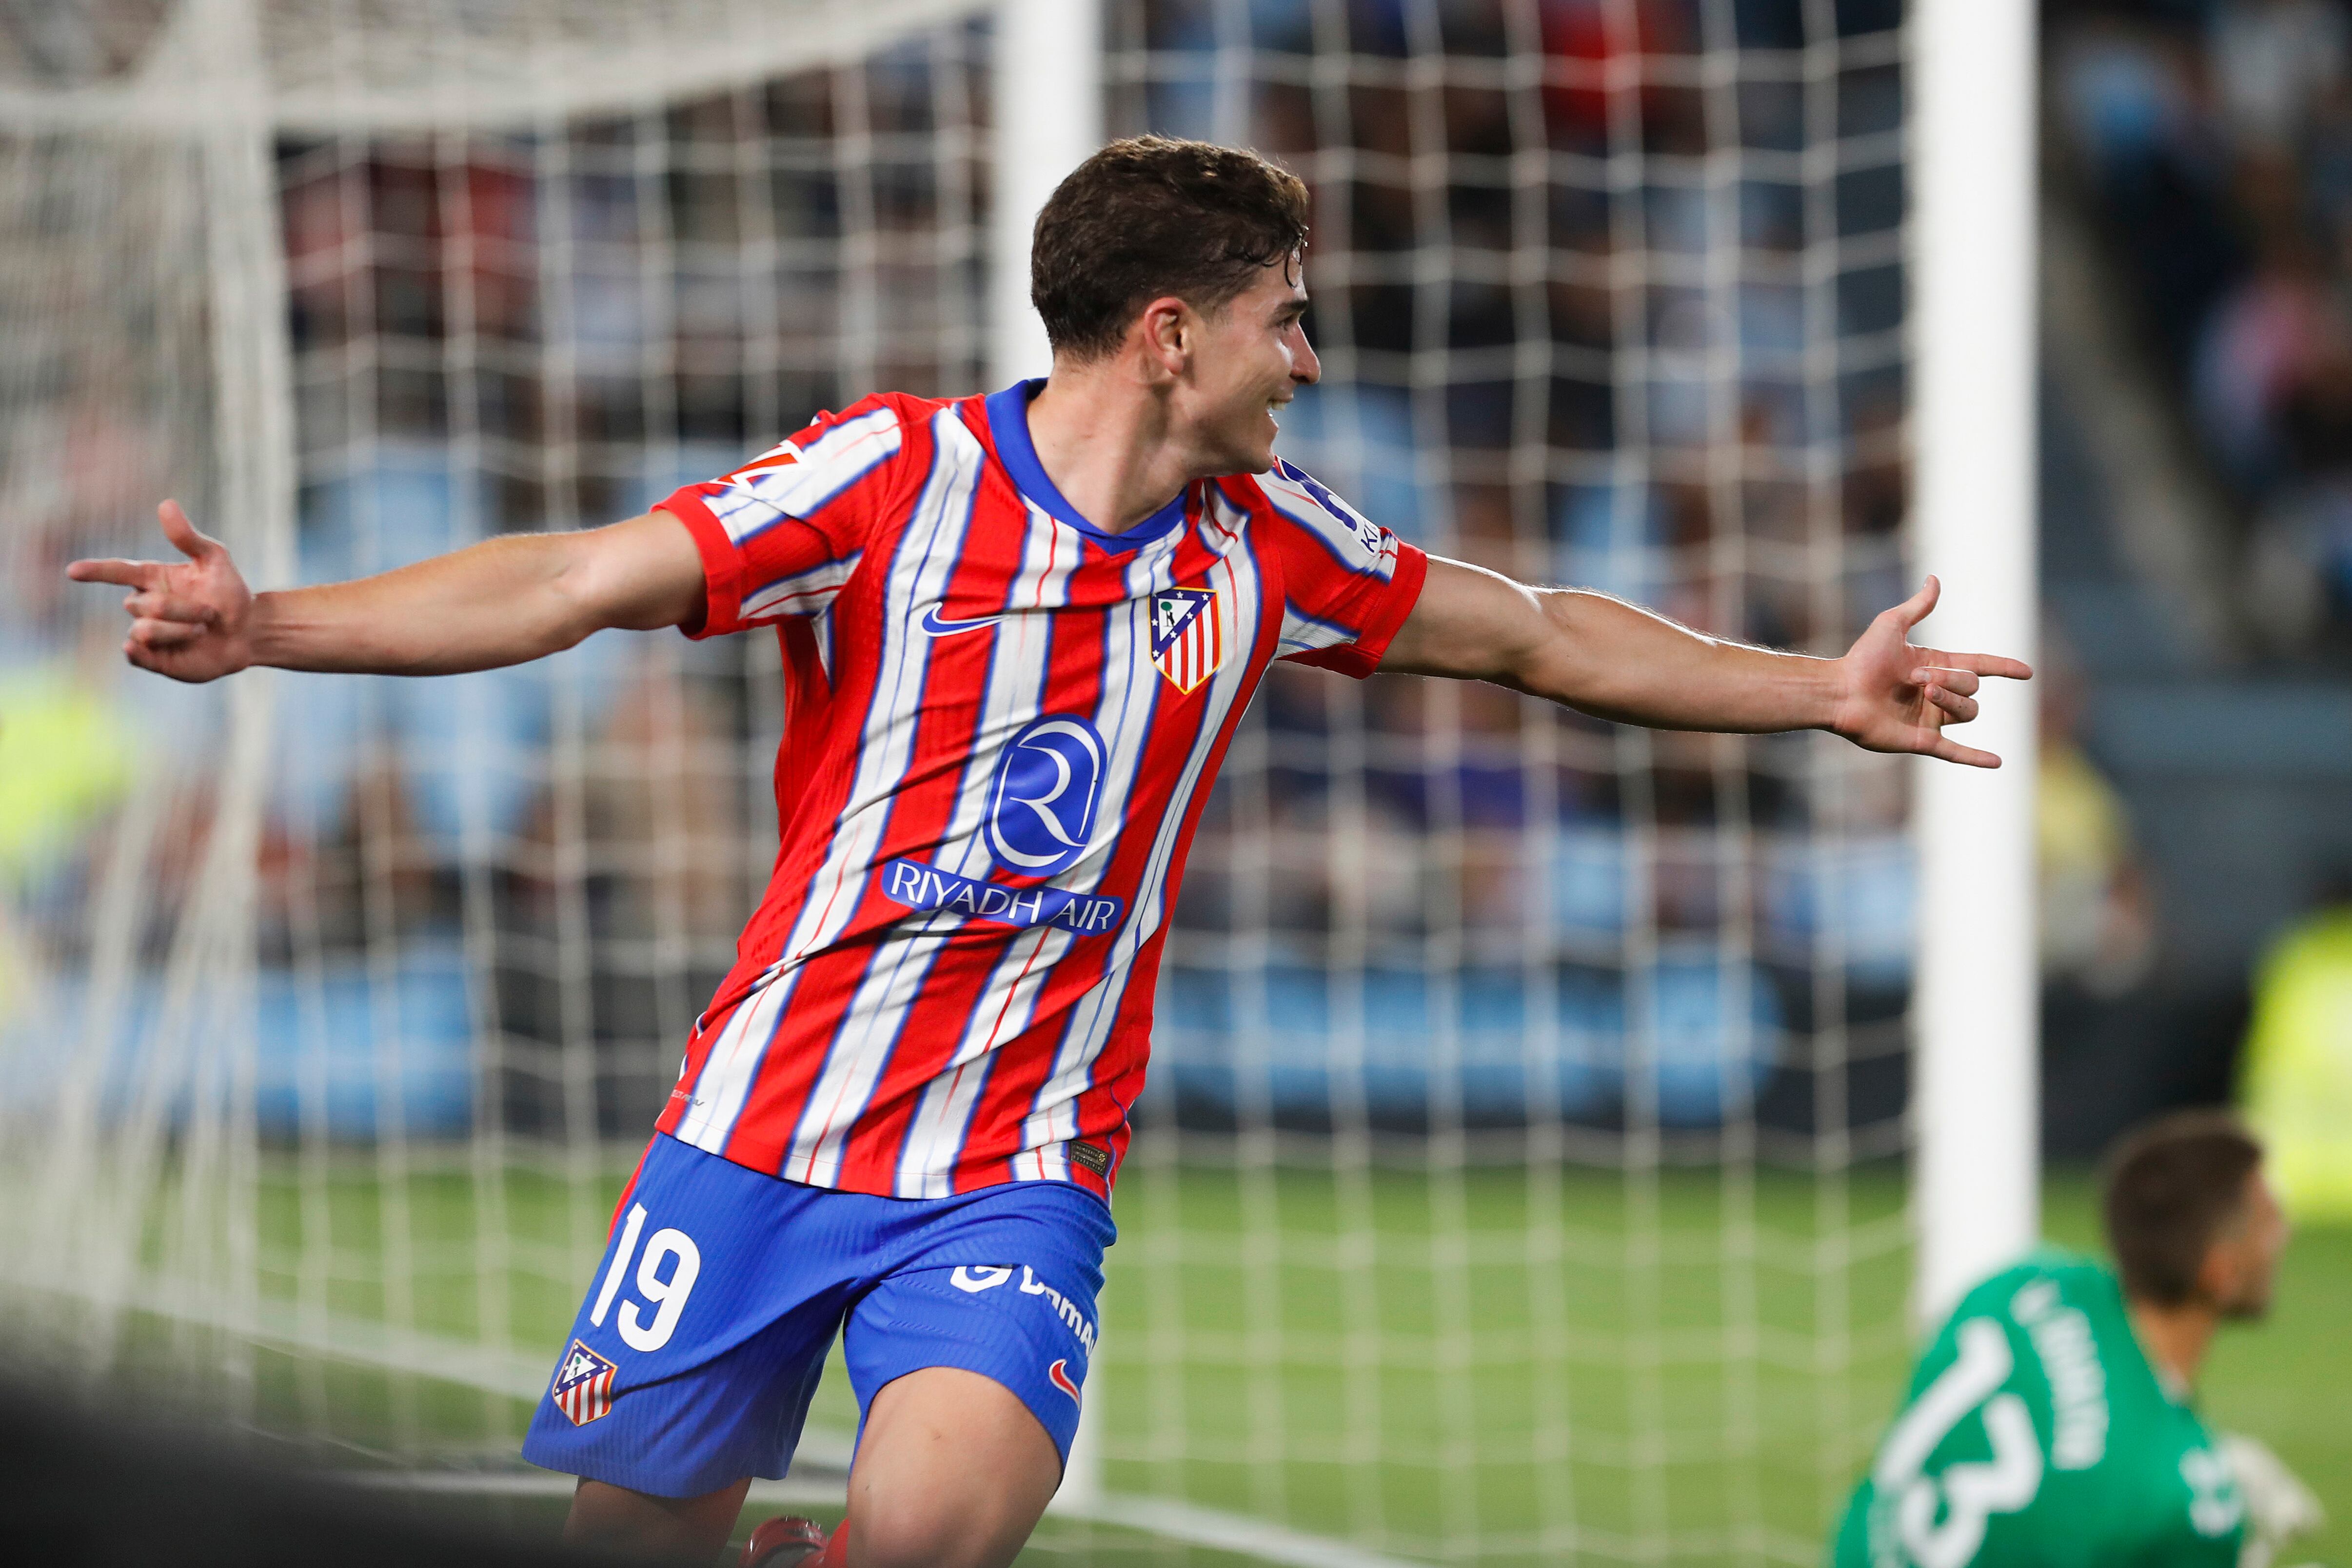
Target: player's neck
(1106, 440)
(2175, 1338)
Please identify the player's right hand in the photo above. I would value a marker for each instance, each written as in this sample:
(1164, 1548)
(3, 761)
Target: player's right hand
(189, 620)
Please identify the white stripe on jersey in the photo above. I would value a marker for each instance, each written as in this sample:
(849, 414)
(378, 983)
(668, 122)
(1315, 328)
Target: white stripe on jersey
(808, 592)
(919, 571)
(1123, 714)
(827, 465)
(1050, 1122)
(733, 1061)
(1302, 634)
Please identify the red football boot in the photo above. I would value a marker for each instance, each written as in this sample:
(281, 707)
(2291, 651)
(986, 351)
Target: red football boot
(788, 1542)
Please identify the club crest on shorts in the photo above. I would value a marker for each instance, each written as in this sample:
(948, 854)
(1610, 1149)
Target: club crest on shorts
(584, 1384)
(1188, 635)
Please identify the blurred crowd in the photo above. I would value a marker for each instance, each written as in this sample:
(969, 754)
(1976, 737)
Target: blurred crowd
(2215, 138)
(1670, 366)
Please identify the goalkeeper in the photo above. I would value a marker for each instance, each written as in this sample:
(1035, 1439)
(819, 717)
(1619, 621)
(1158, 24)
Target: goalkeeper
(2050, 1422)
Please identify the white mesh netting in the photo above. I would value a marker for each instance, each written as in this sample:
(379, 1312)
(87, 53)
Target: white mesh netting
(1505, 1188)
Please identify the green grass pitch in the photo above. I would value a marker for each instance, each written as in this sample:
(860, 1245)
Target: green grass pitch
(1669, 1367)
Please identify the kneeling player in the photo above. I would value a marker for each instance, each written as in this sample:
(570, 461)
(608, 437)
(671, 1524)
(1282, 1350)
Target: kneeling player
(2050, 1423)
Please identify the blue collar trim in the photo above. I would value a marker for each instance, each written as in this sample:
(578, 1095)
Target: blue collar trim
(1008, 423)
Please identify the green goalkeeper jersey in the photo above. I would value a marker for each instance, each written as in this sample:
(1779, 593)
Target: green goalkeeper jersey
(2037, 1435)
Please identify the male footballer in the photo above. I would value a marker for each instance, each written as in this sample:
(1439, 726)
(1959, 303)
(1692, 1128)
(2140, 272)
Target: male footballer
(2051, 1424)
(1017, 632)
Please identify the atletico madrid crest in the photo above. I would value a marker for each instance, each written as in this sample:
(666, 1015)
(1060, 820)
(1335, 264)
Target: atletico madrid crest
(1188, 636)
(584, 1384)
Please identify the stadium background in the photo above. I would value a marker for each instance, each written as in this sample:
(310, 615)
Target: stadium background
(1521, 1176)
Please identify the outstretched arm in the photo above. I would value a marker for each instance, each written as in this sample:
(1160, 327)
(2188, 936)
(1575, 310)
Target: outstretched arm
(1608, 658)
(502, 602)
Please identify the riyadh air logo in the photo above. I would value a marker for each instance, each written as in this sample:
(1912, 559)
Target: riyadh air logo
(1041, 805)
(1188, 640)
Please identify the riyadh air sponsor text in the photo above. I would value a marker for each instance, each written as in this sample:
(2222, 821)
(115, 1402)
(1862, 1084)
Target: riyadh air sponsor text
(920, 886)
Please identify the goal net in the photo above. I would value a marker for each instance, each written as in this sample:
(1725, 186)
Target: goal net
(1517, 1177)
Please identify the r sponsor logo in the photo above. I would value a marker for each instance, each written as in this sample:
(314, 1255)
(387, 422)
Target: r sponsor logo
(1041, 804)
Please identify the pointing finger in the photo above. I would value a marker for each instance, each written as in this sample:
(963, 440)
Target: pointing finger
(1990, 665)
(122, 573)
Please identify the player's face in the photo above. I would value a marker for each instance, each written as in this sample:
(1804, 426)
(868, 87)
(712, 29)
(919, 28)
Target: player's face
(2250, 1254)
(1253, 356)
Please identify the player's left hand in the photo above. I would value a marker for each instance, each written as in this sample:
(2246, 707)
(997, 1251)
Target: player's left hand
(1895, 697)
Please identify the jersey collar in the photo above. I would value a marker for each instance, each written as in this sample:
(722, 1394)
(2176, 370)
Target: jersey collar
(1008, 426)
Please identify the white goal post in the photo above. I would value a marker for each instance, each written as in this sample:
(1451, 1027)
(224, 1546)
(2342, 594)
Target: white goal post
(1976, 1094)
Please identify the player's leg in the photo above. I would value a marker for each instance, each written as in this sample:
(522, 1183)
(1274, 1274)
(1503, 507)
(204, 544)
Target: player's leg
(693, 1356)
(970, 1361)
(953, 1470)
(643, 1524)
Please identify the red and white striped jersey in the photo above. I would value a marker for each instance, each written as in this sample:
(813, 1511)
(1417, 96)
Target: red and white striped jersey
(1001, 724)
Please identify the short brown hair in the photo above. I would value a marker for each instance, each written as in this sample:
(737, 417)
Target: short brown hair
(2173, 1187)
(1153, 216)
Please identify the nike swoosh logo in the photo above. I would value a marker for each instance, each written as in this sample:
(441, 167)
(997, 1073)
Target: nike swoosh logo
(932, 623)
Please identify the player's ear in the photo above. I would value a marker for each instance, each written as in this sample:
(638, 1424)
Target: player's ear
(1166, 327)
(2222, 1278)
(2217, 1277)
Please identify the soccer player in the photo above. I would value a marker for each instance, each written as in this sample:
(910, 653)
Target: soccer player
(1017, 630)
(2050, 1423)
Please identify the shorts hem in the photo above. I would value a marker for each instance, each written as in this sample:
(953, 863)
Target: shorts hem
(619, 1473)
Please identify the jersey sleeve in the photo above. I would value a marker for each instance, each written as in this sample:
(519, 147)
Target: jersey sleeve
(1347, 584)
(782, 534)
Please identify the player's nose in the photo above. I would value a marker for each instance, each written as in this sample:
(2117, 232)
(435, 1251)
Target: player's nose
(1305, 368)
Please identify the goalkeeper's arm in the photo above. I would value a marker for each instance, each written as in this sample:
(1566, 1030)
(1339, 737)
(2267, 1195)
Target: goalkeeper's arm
(502, 602)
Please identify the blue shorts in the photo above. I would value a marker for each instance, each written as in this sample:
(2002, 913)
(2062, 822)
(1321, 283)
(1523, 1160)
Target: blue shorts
(693, 1359)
